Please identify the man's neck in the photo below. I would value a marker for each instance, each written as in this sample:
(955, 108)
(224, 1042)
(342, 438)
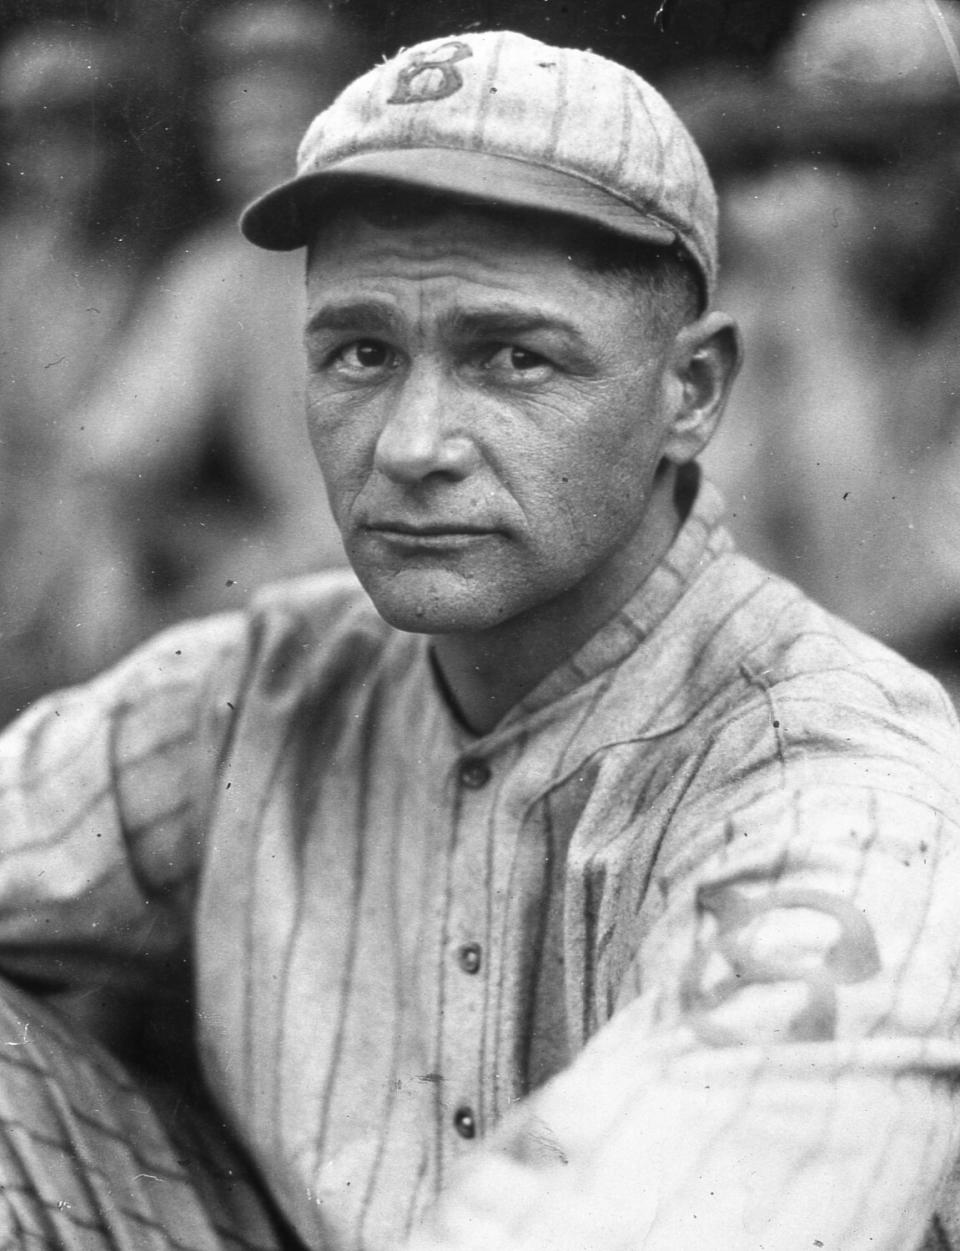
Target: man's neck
(486, 673)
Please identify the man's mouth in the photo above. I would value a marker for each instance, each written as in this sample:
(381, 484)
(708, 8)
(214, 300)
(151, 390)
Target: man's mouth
(428, 530)
(427, 535)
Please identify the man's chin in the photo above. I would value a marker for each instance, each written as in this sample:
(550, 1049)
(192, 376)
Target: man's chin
(430, 604)
(430, 617)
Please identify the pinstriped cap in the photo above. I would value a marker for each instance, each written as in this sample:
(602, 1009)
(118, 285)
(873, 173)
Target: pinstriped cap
(503, 118)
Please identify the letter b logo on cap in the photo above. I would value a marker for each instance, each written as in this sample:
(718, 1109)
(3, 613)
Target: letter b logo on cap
(431, 74)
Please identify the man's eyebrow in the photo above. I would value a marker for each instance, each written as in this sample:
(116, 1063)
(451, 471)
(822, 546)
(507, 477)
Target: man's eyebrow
(366, 315)
(499, 321)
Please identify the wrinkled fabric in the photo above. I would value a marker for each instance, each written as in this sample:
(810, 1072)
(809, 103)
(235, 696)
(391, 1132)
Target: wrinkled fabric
(707, 872)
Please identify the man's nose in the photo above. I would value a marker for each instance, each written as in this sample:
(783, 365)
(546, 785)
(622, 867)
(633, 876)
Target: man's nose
(423, 434)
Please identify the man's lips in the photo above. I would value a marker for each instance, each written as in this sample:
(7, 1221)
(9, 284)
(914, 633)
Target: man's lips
(427, 530)
(427, 536)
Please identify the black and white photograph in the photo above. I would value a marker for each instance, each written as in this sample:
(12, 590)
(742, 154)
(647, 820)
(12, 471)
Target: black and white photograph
(479, 625)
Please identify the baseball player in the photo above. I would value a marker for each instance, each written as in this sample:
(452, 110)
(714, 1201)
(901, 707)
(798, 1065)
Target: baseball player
(555, 879)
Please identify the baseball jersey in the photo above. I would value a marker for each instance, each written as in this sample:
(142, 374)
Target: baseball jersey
(684, 925)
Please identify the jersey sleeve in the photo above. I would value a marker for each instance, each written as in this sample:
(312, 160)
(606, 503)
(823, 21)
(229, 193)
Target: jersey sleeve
(782, 1068)
(103, 792)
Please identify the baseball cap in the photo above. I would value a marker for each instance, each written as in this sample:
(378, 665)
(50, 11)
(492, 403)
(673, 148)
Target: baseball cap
(502, 118)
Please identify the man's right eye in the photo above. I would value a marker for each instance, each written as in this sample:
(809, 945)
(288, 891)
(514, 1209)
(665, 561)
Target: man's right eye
(364, 354)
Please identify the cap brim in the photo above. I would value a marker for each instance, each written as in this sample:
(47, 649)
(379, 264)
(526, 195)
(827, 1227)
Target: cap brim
(287, 217)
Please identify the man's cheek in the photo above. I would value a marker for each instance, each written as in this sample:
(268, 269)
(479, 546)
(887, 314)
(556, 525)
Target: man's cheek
(343, 445)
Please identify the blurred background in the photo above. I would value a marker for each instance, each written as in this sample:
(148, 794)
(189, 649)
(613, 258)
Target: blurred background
(153, 461)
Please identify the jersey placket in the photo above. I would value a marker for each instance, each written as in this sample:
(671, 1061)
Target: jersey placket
(469, 964)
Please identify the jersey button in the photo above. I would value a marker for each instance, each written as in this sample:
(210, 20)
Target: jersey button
(468, 957)
(474, 774)
(465, 1123)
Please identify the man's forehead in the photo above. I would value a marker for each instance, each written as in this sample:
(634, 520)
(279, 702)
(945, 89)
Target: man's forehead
(472, 268)
(395, 218)
(461, 245)
(453, 277)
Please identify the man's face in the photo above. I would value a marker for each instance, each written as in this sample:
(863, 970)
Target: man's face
(489, 418)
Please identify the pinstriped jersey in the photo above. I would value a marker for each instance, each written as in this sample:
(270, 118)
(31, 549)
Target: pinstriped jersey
(716, 850)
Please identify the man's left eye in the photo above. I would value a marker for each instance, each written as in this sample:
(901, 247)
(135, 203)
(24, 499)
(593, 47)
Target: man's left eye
(516, 359)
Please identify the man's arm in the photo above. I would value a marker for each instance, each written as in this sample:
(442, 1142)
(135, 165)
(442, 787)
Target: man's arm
(782, 1071)
(102, 803)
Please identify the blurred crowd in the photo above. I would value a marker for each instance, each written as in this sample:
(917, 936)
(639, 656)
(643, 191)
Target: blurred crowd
(839, 177)
(153, 457)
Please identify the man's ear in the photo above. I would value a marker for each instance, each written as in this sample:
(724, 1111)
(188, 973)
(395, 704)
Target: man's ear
(706, 356)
